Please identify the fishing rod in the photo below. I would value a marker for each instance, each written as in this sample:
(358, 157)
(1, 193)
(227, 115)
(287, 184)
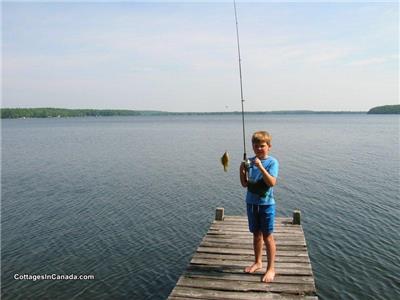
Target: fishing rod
(225, 156)
(241, 84)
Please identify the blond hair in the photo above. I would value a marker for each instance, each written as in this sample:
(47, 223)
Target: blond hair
(260, 137)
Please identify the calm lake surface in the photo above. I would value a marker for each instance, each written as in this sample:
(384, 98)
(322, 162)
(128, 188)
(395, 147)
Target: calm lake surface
(128, 199)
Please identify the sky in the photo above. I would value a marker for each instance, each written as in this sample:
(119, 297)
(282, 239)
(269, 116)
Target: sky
(182, 56)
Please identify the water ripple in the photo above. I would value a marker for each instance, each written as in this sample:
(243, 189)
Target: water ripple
(97, 197)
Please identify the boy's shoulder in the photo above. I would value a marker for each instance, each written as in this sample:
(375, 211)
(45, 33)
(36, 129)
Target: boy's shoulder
(272, 158)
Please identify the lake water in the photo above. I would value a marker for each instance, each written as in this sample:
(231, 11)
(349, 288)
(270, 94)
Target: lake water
(128, 199)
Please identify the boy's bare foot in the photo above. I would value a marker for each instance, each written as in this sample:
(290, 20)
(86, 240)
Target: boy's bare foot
(254, 267)
(269, 276)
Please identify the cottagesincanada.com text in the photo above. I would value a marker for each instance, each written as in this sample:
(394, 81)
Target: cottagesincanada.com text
(35, 277)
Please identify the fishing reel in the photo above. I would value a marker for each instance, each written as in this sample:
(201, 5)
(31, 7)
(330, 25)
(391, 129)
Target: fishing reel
(247, 163)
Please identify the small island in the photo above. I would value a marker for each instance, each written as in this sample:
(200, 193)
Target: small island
(385, 109)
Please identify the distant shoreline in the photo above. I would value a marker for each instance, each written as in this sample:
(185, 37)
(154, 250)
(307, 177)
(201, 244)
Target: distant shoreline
(18, 113)
(49, 112)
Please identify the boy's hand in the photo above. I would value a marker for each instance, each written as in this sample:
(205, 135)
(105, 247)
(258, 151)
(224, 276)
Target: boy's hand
(257, 163)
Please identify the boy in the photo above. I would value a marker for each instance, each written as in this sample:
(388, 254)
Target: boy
(259, 179)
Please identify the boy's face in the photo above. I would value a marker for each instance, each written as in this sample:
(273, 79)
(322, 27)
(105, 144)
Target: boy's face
(261, 149)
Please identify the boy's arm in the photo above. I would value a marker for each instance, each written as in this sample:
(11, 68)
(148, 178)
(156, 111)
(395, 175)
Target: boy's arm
(243, 175)
(268, 178)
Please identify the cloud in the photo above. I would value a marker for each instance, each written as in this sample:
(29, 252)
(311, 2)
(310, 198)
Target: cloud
(374, 60)
(300, 54)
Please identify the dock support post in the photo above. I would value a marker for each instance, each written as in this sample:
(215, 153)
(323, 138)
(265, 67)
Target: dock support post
(219, 214)
(296, 217)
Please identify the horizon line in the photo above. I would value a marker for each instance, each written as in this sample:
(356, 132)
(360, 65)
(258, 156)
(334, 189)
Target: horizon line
(178, 112)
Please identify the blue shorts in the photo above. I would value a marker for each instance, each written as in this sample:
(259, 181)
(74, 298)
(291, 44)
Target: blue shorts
(261, 218)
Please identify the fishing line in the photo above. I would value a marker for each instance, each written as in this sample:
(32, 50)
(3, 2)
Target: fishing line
(241, 84)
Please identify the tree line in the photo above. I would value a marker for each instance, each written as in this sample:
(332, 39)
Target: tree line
(15, 113)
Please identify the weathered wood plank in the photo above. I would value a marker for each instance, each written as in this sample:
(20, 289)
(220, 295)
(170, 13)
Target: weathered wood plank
(194, 273)
(245, 229)
(279, 220)
(230, 230)
(244, 226)
(279, 252)
(238, 263)
(245, 286)
(240, 270)
(250, 258)
(249, 239)
(247, 234)
(278, 241)
(292, 247)
(195, 293)
(244, 218)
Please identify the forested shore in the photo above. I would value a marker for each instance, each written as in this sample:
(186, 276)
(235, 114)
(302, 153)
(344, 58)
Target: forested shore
(18, 113)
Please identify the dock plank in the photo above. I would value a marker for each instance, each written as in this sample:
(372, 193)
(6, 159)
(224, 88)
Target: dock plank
(279, 252)
(216, 270)
(196, 293)
(249, 258)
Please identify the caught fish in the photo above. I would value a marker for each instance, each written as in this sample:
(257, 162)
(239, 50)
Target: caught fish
(225, 161)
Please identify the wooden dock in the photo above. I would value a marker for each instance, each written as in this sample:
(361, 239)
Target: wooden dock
(216, 269)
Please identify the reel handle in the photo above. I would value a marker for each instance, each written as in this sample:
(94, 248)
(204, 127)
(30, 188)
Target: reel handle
(247, 163)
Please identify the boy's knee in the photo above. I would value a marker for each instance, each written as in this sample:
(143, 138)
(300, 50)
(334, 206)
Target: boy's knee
(258, 235)
(268, 237)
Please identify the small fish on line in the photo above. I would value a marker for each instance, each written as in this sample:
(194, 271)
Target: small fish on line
(225, 161)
